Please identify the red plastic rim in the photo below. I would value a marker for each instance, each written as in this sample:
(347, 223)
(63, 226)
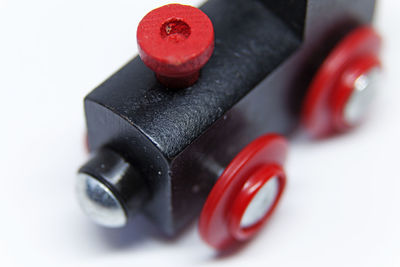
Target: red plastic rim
(175, 40)
(320, 110)
(215, 224)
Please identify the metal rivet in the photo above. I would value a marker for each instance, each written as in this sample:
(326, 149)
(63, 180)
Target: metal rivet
(99, 203)
(360, 100)
(261, 203)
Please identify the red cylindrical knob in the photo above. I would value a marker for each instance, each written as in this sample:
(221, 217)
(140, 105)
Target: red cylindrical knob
(176, 41)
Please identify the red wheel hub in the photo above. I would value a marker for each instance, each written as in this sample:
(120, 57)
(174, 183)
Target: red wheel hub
(258, 164)
(333, 84)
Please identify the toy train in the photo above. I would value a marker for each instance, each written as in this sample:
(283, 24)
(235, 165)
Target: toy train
(183, 141)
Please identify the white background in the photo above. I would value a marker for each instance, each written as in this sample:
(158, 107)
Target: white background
(341, 207)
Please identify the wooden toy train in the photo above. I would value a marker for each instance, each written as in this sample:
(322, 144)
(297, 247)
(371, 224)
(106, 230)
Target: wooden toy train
(183, 141)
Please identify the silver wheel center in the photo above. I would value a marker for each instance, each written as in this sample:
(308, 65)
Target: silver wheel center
(363, 94)
(261, 203)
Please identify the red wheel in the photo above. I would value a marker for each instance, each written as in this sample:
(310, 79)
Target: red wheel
(343, 87)
(246, 194)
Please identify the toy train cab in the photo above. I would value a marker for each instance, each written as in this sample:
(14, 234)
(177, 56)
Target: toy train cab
(198, 124)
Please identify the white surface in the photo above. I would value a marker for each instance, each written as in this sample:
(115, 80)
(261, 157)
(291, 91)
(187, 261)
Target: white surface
(341, 207)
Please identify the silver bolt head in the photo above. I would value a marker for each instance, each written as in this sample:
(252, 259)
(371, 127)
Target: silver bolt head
(365, 88)
(99, 203)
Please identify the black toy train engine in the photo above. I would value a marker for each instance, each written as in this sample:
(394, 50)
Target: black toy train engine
(166, 145)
